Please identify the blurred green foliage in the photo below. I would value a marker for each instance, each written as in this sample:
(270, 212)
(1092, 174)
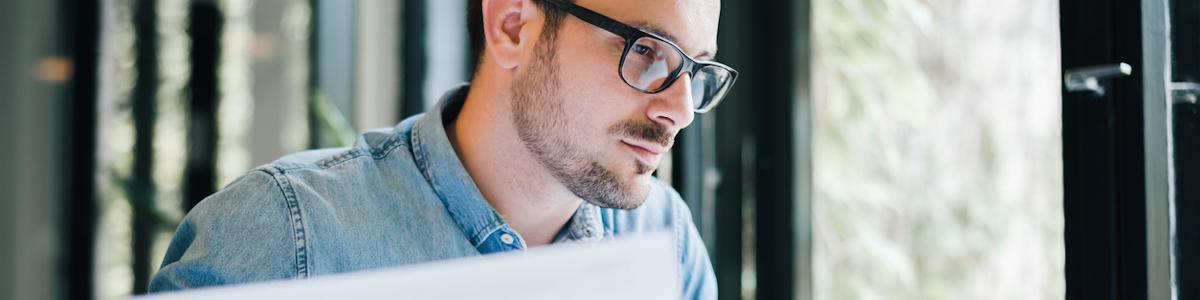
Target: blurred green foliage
(937, 150)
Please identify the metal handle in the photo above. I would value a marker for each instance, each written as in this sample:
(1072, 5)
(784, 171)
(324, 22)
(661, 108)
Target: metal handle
(1185, 92)
(1088, 79)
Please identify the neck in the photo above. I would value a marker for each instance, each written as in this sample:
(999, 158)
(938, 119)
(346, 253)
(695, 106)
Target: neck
(530, 199)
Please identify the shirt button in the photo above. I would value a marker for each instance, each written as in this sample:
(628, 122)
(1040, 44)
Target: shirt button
(507, 239)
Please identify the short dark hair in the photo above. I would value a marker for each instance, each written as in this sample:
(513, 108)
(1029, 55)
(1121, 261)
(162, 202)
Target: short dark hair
(554, 19)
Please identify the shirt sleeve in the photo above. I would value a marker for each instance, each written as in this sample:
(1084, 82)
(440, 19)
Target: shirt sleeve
(699, 281)
(247, 232)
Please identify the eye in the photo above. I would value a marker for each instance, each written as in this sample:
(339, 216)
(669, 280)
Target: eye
(643, 50)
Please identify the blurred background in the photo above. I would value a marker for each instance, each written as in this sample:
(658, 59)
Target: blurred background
(872, 149)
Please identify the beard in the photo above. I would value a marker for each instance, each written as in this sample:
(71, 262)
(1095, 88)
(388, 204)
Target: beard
(543, 126)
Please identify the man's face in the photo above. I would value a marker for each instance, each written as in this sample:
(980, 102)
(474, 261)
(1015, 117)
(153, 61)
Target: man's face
(601, 138)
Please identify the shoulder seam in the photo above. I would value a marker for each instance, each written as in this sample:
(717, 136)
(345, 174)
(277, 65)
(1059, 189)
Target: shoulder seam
(299, 236)
(350, 154)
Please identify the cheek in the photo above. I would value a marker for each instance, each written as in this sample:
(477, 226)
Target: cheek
(591, 70)
(594, 95)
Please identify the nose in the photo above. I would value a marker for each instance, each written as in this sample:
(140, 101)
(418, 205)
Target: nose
(672, 107)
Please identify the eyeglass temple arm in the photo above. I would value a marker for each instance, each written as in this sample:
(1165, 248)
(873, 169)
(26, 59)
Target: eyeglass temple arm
(595, 18)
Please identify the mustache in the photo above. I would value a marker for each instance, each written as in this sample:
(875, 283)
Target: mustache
(647, 131)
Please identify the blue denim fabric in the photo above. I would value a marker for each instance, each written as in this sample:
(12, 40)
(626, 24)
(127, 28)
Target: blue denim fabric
(399, 196)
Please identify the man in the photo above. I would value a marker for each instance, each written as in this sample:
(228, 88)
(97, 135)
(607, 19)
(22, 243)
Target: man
(555, 140)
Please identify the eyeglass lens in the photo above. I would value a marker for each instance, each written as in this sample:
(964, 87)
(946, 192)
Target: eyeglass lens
(649, 63)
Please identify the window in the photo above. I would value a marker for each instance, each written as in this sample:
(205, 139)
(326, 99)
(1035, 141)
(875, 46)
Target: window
(937, 150)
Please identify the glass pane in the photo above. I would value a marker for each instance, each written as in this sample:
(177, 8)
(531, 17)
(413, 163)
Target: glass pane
(937, 150)
(263, 91)
(117, 270)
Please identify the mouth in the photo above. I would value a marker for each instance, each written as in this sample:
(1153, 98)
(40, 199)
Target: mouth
(647, 153)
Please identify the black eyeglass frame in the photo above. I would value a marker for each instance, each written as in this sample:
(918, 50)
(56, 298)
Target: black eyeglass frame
(632, 34)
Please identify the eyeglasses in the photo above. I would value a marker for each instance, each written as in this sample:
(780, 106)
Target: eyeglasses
(651, 63)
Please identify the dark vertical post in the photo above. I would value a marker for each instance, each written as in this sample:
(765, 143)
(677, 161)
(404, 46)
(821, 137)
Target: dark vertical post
(141, 185)
(338, 29)
(81, 20)
(1185, 43)
(1186, 126)
(414, 60)
(720, 199)
(726, 198)
(697, 175)
(334, 39)
(760, 139)
(688, 173)
(1104, 189)
(204, 25)
(314, 68)
(771, 82)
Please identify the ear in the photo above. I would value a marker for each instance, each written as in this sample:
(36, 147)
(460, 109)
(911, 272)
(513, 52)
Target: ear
(505, 31)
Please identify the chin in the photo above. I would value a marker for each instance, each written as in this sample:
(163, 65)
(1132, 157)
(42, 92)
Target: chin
(642, 169)
(641, 187)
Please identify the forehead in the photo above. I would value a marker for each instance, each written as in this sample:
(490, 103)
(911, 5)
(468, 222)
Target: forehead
(692, 24)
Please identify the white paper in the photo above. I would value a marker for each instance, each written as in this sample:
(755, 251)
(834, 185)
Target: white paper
(640, 267)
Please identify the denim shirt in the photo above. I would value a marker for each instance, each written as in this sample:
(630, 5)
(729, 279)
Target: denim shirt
(399, 196)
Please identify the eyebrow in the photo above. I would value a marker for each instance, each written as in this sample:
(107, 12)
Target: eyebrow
(647, 27)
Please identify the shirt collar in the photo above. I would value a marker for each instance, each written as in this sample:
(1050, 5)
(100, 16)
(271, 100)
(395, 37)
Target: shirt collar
(439, 163)
(585, 225)
(436, 159)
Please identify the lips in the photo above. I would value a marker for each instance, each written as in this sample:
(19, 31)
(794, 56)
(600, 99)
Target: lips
(646, 146)
(647, 153)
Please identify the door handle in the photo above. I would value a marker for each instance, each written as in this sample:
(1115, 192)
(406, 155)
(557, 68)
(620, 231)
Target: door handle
(1185, 92)
(1087, 79)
